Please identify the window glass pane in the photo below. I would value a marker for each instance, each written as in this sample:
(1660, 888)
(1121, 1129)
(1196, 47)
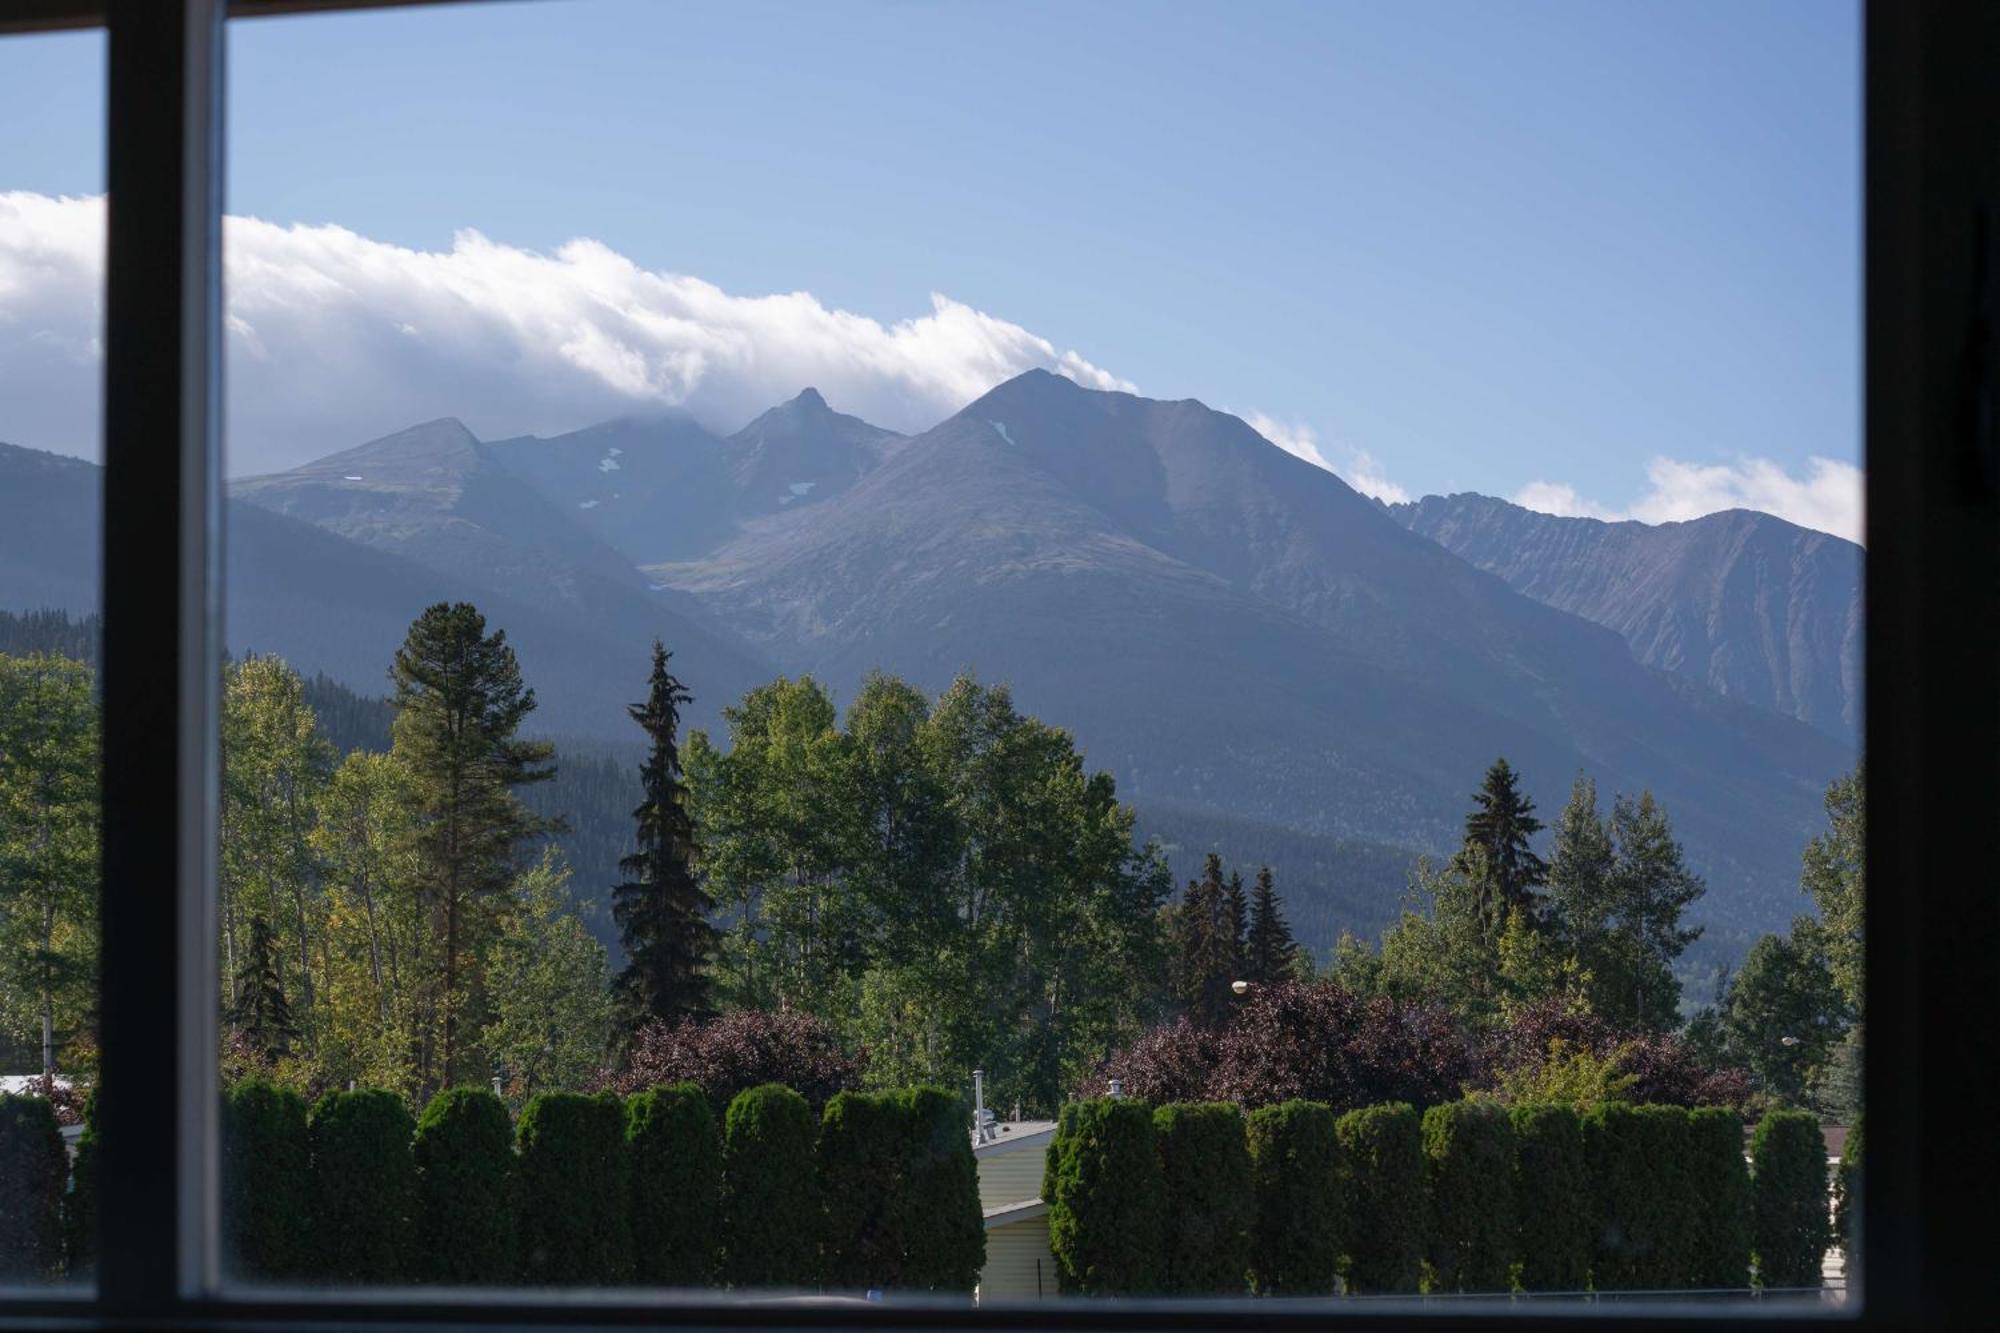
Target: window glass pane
(1269, 603)
(51, 324)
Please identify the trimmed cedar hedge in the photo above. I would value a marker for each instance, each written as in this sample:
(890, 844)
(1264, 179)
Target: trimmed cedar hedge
(1107, 1202)
(464, 1151)
(576, 1224)
(858, 1158)
(1469, 1178)
(266, 1174)
(1382, 1180)
(1675, 1215)
(1788, 1187)
(675, 1152)
(80, 1209)
(1210, 1202)
(1847, 1199)
(770, 1197)
(1554, 1196)
(1622, 1190)
(1295, 1170)
(946, 1238)
(34, 1172)
(1721, 1182)
(363, 1189)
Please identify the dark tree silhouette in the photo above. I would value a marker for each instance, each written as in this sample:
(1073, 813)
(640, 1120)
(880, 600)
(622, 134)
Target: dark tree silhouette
(1270, 952)
(1500, 825)
(661, 909)
(261, 1013)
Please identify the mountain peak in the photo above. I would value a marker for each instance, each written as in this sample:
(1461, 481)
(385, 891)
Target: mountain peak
(810, 397)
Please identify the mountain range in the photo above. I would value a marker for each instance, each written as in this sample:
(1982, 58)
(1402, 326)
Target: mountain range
(1261, 656)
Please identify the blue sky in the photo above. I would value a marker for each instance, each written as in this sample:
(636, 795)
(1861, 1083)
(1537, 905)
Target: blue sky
(1489, 245)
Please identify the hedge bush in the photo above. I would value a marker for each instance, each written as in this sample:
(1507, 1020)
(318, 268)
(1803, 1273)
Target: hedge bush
(1107, 1201)
(80, 1208)
(1555, 1197)
(1668, 1244)
(1622, 1197)
(34, 1172)
(1469, 1180)
(858, 1160)
(1295, 1179)
(1847, 1187)
(1721, 1183)
(675, 1152)
(266, 1173)
(1382, 1180)
(575, 1190)
(363, 1188)
(1211, 1203)
(464, 1153)
(1789, 1188)
(769, 1193)
(946, 1237)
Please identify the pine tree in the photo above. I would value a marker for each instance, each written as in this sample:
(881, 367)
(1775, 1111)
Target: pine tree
(1236, 920)
(459, 702)
(261, 1012)
(662, 910)
(1501, 826)
(1271, 953)
(1205, 952)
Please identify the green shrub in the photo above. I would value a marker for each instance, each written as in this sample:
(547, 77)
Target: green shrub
(575, 1190)
(363, 1188)
(1721, 1183)
(1789, 1187)
(464, 1154)
(1295, 1181)
(676, 1159)
(1622, 1200)
(859, 1160)
(1554, 1195)
(944, 1234)
(266, 1173)
(34, 1170)
(1469, 1178)
(1382, 1185)
(1107, 1202)
(1668, 1244)
(80, 1208)
(1211, 1203)
(1847, 1187)
(770, 1197)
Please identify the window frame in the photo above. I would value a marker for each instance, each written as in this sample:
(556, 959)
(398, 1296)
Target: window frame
(1932, 600)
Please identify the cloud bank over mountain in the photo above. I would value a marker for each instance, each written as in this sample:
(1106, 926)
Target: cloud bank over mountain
(1828, 498)
(334, 337)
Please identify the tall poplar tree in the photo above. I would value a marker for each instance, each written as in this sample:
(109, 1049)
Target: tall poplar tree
(460, 701)
(661, 909)
(1500, 825)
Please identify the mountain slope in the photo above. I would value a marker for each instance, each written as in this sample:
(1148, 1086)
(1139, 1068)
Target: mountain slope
(1226, 626)
(1755, 608)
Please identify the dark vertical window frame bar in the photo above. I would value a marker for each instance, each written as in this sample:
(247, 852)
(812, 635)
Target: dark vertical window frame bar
(162, 651)
(1933, 654)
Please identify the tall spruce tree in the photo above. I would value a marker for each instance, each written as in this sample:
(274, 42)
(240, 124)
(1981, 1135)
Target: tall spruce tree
(1236, 921)
(1205, 947)
(662, 910)
(1501, 823)
(261, 1013)
(1270, 952)
(460, 701)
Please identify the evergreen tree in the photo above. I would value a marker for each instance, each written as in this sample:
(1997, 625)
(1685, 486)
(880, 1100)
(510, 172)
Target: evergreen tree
(1237, 922)
(1270, 951)
(1832, 876)
(1500, 826)
(261, 1012)
(1205, 949)
(459, 702)
(662, 910)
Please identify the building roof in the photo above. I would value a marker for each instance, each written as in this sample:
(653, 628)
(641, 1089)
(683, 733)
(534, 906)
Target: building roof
(1014, 1134)
(1027, 1210)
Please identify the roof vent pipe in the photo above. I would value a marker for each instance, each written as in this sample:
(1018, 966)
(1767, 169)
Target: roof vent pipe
(982, 1119)
(1117, 1087)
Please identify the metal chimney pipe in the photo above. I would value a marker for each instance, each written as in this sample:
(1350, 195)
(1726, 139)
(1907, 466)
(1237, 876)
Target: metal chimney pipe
(1117, 1087)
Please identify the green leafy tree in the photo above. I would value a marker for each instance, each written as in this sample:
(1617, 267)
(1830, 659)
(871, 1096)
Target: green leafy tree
(466, 1205)
(770, 1192)
(1295, 1180)
(1107, 1200)
(676, 1156)
(1270, 952)
(661, 909)
(1211, 1200)
(48, 850)
(1501, 826)
(460, 702)
(1832, 875)
(1782, 1016)
(549, 1003)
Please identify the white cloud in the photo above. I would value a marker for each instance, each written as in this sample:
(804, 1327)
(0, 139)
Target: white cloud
(335, 338)
(1360, 470)
(1827, 498)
